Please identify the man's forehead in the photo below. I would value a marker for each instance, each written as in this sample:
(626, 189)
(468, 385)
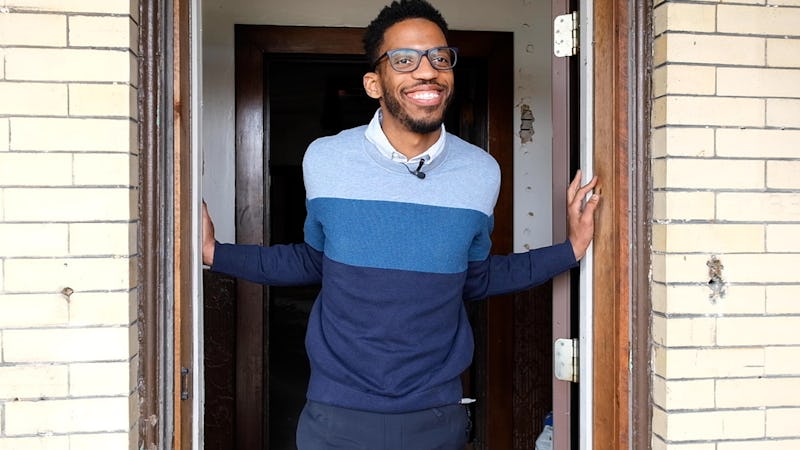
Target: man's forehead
(414, 33)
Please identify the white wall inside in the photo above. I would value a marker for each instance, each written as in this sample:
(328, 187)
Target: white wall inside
(529, 20)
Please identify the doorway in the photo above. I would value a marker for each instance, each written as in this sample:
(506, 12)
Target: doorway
(613, 105)
(481, 114)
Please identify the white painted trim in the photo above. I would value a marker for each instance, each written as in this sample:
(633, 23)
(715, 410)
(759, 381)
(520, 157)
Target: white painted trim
(195, 112)
(586, 71)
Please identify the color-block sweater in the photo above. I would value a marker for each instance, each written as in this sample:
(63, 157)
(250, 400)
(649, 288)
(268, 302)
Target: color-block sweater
(396, 257)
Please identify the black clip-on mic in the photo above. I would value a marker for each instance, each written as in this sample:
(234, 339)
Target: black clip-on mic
(417, 173)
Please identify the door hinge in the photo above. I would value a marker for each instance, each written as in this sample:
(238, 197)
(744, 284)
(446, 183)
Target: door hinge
(185, 383)
(565, 360)
(565, 35)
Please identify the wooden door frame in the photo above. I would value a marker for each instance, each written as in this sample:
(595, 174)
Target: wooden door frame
(165, 235)
(252, 43)
(622, 308)
(622, 62)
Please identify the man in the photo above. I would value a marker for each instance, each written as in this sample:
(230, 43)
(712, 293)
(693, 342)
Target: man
(399, 215)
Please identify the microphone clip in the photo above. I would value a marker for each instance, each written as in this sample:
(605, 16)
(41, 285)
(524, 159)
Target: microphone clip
(417, 173)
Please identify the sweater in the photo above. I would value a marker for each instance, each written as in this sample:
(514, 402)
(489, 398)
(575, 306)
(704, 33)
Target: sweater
(396, 256)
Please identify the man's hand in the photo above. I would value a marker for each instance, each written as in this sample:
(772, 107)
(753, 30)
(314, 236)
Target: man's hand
(208, 237)
(580, 216)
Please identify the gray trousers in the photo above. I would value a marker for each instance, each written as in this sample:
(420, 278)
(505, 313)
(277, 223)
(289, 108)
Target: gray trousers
(325, 427)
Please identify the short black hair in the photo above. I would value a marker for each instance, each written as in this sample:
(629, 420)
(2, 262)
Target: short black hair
(398, 11)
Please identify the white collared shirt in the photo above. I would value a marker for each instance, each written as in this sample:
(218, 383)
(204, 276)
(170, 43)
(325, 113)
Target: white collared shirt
(378, 138)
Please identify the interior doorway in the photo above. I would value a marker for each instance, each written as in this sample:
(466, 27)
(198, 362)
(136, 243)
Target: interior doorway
(310, 96)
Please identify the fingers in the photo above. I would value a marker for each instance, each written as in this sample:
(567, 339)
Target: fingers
(590, 206)
(577, 192)
(208, 236)
(572, 190)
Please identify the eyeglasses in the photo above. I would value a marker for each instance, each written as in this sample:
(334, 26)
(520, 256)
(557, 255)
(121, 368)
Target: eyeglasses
(408, 59)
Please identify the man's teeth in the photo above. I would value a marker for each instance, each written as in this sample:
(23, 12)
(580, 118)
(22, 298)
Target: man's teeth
(425, 95)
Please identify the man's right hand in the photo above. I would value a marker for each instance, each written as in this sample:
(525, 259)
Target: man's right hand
(208, 237)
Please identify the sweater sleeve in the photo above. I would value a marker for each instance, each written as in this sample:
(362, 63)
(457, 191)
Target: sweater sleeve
(277, 265)
(503, 274)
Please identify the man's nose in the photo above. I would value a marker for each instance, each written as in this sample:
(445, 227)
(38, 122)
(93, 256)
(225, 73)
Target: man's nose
(425, 70)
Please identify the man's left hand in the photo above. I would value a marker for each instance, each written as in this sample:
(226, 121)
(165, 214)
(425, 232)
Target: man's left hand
(580, 215)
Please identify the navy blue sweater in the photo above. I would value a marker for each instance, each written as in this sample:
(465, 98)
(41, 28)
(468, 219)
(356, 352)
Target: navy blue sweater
(396, 256)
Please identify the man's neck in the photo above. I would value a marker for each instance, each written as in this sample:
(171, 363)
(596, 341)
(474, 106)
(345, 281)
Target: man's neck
(407, 142)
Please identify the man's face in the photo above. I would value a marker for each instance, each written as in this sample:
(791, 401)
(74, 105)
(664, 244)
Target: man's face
(416, 100)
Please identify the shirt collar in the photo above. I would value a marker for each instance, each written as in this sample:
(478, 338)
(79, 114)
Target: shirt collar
(378, 138)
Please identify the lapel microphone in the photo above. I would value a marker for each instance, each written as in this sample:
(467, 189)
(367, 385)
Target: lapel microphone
(417, 173)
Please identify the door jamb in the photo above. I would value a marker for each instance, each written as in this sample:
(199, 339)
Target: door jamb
(621, 108)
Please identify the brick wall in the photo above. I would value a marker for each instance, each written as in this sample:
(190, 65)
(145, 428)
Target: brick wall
(726, 252)
(68, 223)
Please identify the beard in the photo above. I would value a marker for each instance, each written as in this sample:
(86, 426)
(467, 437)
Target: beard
(420, 126)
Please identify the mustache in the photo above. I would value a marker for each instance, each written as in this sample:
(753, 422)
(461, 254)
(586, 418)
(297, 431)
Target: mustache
(427, 84)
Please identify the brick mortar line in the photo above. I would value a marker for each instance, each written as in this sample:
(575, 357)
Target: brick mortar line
(129, 50)
(688, 157)
(778, 375)
(78, 327)
(96, 291)
(72, 187)
(726, 315)
(717, 222)
(755, 377)
(63, 222)
(727, 127)
(78, 152)
(667, 316)
(721, 65)
(722, 440)
(752, 284)
(87, 152)
(66, 363)
(716, 3)
(50, 434)
(59, 82)
(67, 257)
(733, 347)
(23, 10)
(68, 116)
(729, 191)
(781, 36)
(734, 97)
(43, 399)
(739, 409)
(707, 253)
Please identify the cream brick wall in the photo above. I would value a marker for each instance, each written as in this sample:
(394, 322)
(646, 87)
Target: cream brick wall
(726, 178)
(68, 224)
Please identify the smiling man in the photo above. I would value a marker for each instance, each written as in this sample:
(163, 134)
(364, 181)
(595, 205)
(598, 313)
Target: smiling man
(399, 217)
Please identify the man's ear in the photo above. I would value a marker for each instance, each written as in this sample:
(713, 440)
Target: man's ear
(372, 85)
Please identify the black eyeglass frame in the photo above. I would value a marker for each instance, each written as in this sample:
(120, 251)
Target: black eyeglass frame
(421, 53)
